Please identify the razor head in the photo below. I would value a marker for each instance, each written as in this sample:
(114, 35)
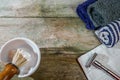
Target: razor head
(90, 60)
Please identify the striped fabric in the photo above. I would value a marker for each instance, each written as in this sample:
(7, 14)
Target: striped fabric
(109, 34)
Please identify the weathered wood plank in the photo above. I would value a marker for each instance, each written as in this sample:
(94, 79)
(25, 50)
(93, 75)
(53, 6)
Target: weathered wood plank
(56, 67)
(39, 8)
(59, 67)
(50, 32)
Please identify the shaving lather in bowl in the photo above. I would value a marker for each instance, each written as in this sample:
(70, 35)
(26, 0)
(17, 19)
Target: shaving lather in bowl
(21, 56)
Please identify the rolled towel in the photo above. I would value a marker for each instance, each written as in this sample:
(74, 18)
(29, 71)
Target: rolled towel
(109, 34)
(82, 13)
(102, 12)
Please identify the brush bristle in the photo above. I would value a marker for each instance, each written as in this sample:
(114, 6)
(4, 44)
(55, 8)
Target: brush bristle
(18, 58)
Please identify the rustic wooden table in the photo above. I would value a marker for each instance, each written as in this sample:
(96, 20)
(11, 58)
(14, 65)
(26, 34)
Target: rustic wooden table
(55, 27)
(59, 66)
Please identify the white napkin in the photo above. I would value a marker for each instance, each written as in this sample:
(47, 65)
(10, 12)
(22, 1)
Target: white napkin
(110, 58)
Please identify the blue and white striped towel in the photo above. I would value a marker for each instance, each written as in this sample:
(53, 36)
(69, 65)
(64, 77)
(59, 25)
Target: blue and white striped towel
(109, 34)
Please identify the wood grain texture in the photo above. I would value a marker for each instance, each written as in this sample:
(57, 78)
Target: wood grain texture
(50, 32)
(56, 67)
(39, 8)
(55, 27)
(59, 67)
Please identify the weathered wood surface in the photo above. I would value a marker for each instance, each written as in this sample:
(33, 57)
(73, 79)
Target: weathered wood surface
(55, 27)
(39, 8)
(50, 32)
(61, 40)
(59, 67)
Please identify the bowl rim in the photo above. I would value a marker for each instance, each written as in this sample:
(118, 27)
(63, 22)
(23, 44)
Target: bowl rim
(36, 48)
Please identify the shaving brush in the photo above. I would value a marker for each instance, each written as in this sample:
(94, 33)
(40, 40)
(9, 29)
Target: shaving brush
(12, 68)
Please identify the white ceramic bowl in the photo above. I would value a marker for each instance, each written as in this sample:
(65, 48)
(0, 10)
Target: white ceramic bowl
(26, 44)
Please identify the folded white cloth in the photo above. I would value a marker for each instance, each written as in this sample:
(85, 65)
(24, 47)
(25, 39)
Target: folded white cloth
(109, 57)
(109, 35)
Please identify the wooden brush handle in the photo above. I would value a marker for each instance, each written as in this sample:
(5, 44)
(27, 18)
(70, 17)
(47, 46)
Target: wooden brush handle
(9, 71)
